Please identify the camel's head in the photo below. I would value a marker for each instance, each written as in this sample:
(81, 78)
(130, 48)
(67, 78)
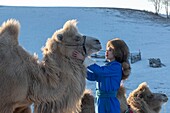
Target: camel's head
(87, 102)
(153, 100)
(69, 39)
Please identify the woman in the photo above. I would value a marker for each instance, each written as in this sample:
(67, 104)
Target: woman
(108, 77)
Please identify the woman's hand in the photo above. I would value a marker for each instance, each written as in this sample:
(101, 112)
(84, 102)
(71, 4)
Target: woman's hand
(78, 55)
(87, 61)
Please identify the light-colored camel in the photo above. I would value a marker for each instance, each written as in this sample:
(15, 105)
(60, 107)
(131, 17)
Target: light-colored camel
(57, 79)
(141, 100)
(87, 102)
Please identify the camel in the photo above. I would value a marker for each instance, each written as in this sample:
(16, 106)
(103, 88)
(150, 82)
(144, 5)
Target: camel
(58, 78)
(141, 100)
(87, 102)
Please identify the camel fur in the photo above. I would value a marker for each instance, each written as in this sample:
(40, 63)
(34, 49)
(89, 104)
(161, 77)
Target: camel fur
(121, 95)
(141, 100)
(58, 79)
(87, 102)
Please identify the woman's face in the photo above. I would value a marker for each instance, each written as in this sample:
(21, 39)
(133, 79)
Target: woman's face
(109, 54)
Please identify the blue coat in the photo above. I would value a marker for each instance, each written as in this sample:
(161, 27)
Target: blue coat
(108, 79)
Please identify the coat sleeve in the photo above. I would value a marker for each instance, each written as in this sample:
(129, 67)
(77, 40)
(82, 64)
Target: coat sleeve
(109, 70)
(91, 76)
(88, 61)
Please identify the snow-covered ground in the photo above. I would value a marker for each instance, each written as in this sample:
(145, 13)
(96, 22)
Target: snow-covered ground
(141, 31)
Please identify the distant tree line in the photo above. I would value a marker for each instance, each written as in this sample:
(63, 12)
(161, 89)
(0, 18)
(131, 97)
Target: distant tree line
(158, 5)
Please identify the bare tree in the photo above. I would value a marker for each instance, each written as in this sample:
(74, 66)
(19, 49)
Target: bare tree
(166, 3)
(157, 5)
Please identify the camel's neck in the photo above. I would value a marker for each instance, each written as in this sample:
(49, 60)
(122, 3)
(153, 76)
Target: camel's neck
(61, 78)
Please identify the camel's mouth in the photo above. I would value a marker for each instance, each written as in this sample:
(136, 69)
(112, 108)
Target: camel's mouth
(97, 47)
(166, 99)
(92, 45)
(95, 50)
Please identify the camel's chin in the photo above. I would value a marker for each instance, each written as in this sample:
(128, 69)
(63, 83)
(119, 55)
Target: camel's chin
(164, 103)
(97, 49)
(94, 50)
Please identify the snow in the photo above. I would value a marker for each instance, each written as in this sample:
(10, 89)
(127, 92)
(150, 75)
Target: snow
(141, 31)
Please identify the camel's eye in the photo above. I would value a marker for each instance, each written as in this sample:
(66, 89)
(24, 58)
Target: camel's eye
(60, 37)
(140, 96)
(77, 38)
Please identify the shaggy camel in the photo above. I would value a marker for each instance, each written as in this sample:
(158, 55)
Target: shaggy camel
(141, 100)
(87, 102)
(57, 79)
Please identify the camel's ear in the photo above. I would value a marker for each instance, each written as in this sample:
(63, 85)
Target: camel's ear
(60, 37)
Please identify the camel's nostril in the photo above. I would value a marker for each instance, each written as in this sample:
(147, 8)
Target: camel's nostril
(164, 95)
(98, 41)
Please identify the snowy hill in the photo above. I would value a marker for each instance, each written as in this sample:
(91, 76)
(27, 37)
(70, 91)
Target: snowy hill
(141, 30)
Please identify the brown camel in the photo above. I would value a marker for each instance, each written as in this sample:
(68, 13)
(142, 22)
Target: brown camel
(57, 79)
(141, 100)
(87, 102)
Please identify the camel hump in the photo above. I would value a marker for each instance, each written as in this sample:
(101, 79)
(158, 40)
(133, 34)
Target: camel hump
(9, 32)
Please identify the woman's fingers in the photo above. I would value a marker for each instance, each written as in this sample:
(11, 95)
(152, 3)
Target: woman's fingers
(75, 53)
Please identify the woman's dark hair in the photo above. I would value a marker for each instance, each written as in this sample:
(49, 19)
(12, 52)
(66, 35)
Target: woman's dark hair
(121, 54)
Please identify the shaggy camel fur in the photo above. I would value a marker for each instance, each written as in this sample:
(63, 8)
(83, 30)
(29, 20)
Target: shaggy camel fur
(87, 102)
(121, 95)
(57, 79)
(141, 100)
